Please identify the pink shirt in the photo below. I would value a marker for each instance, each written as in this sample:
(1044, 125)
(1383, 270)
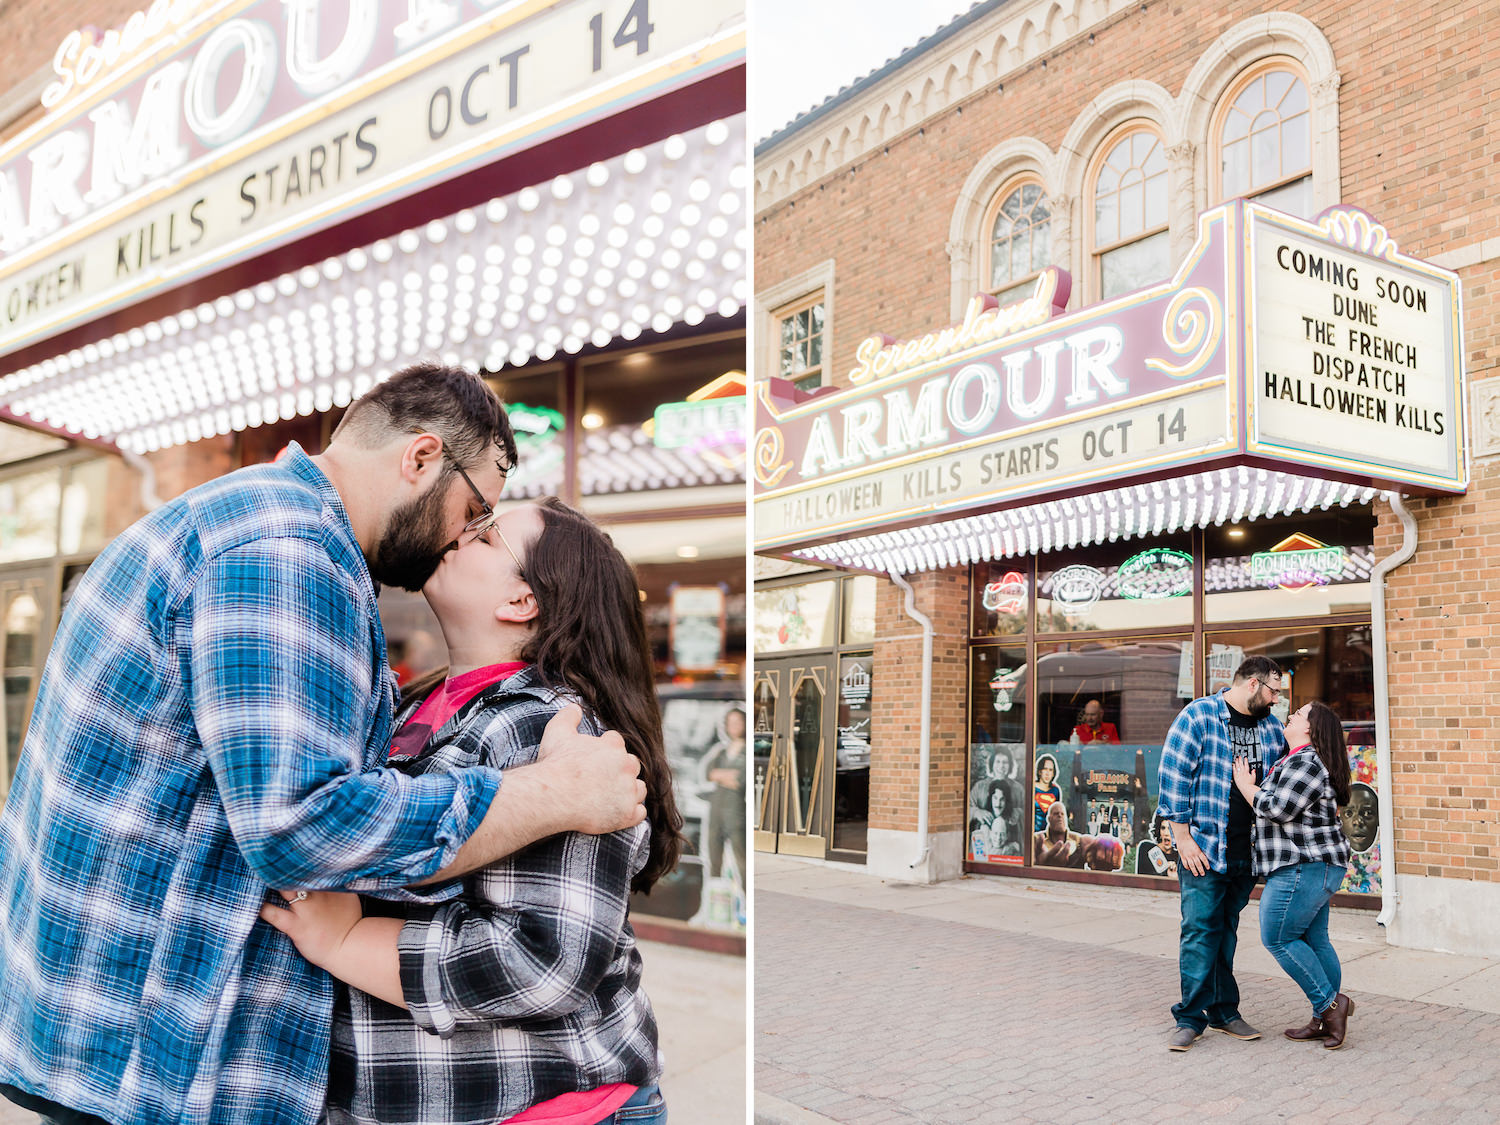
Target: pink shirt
(584, 1107)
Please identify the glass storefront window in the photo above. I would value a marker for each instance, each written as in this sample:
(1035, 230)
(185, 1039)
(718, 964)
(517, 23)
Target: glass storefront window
(763, 742)
(998, 818)
(83, 508)
(1307, 566)
(1000, 598)
(533, 402)
(851, 785)
(643, 429)
(1103, 709)
(1139, 584)
(788, 618)
(859, 609)
(22, 653)
(28, 516)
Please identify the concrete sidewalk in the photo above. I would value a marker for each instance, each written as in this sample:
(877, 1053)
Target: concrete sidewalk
(1007, 1000)
(700, 1008)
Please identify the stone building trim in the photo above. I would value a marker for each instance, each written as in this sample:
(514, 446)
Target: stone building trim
(1007, 161)
(933, 83)
(1184, 124)
(1124, 104)
(1485, 412)
(1255, 40)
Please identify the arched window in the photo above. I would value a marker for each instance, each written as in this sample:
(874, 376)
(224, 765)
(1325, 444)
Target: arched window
(1020, 241)
(1130, 214)
(1265, 141)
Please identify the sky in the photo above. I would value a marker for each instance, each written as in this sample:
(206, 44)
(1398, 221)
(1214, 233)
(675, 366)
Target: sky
(803, 51)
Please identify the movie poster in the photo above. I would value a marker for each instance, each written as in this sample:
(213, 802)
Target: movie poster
(1361, 819)
(998, 819)
(1092, 805)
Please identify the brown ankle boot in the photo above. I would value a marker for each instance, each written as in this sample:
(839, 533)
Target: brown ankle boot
(1336, 1021)
(1313, 1030)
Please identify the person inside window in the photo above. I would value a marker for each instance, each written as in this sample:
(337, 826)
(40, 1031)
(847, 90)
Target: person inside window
(1092, 726)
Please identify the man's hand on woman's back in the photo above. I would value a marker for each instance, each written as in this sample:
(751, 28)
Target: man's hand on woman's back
(596, 777)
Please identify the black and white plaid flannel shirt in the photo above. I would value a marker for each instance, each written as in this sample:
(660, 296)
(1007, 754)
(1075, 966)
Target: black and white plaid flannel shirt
(526, 987)
(1296, 819)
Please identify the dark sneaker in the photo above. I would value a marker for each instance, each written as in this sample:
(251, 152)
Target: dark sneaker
(1237, 1028)
(1183, 1039)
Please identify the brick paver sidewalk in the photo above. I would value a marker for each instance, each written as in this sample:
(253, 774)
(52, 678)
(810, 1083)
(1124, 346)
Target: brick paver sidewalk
(883, 1016)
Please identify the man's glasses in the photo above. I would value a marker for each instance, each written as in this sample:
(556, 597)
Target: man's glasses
(487, 517)
(1275, 691)
(480, 523)
(480, 526)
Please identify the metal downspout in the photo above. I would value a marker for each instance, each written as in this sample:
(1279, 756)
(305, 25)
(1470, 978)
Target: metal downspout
(150, 501)
(1388, 896)
(924, 757)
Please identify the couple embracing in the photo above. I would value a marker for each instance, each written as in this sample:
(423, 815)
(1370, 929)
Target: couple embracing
(1245, 797)
(217, 759)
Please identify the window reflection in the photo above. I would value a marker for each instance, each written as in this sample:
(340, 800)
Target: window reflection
(851, 786)
(1103, 709)
(647, 426)
(999, 817)
(534, 403)
(29, 516)
(1000, 598)
(1139, 583)
(1334, 664)
(1305, 566)
(795, 617)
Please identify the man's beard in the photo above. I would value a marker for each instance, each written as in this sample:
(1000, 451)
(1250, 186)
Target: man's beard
(412, 546)
(1258, 710)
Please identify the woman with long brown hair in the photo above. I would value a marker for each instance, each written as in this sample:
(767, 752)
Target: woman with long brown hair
(519, 999)
(1301, 850)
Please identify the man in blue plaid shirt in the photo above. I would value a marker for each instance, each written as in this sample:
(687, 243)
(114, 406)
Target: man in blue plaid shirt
(1212, 828)
(211, 722)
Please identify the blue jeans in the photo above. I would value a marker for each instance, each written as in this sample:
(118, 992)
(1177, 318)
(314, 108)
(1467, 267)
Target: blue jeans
(645, 1107)
(1294, 927)
(1211, 905)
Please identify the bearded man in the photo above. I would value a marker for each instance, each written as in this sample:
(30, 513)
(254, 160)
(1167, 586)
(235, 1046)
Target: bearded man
(1211, 825)
(213, 720)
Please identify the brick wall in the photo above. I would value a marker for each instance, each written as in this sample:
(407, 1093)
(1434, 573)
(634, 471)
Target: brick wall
(1416, 87)
(34, 28)
(1442, 624)
(896, 723)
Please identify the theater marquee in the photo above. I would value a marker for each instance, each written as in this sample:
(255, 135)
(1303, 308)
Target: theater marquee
(202, 133)
(1277, 342)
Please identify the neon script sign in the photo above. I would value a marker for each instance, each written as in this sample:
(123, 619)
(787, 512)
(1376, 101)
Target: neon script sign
(1297, 562)
(1007, 595)
(985, 321)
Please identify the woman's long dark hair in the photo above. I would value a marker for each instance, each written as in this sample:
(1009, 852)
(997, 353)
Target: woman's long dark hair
(1327, 735)
(590, 636)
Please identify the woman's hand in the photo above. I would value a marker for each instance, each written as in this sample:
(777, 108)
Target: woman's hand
(317, 924)
(1244, 780)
